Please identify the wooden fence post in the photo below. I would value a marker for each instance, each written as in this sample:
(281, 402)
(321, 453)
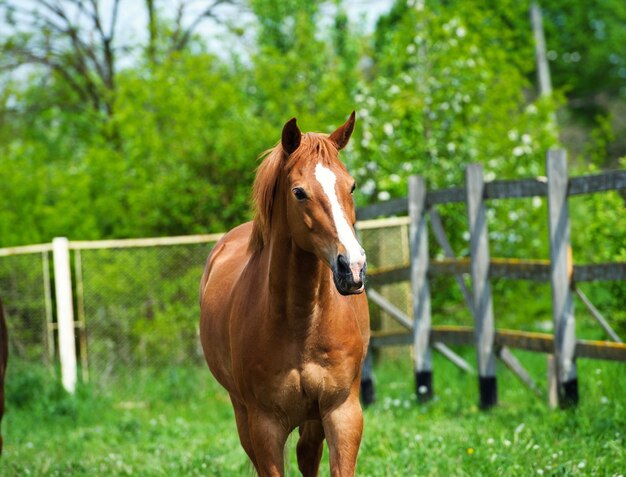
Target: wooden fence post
(481, 287)
(561, 270)
(65, 312)
(420, 289)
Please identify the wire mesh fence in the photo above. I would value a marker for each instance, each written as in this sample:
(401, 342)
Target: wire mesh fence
(386, 242)
(25, 292)
(136, 304)
(139, 307)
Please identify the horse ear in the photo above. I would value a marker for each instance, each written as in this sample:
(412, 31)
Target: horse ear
(291, 136)
(342, 135)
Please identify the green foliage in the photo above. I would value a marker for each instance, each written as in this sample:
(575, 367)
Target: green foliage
(585, 47)
(448, 90)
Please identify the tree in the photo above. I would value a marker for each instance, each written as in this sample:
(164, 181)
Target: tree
(78, 41)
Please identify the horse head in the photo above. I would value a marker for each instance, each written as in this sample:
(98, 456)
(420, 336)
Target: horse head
(318, 197)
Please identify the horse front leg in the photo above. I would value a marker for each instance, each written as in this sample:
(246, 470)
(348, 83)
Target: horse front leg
(343, 427)
(268, 436)
(310, 447)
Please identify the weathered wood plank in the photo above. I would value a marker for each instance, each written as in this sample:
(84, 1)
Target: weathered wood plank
(600, 271)
(524, 340)
(535, 270)
(601, 350)
(389, 308)
(561, 272)
(514, 365)
(420, 289)
(514, 189)
(597, 316)
(605, 181)
(481, 287)
(502, 189)
(390, 207)
(453, 357)
(388, 275)
(446, 196)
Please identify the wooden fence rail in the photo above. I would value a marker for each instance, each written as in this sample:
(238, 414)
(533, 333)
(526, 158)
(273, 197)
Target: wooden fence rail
(560, 271)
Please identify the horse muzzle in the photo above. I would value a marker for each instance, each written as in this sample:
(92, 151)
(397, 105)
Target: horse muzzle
(349, 277)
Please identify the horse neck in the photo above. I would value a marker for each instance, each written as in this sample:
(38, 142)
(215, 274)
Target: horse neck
(300, 283)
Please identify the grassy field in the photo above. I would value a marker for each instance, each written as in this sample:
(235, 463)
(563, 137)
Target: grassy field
(178, 422)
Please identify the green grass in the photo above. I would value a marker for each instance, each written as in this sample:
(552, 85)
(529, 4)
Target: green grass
(178, 422)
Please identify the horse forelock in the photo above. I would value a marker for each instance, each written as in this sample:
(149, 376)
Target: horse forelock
(313, 147)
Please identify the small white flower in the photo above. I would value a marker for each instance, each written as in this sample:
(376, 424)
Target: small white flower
(388, 128)
(526, 139)
(384, 195)
(394, 89)
(460, 32)
(604, 400)
(582, 464)
(507, 443)
(518, 151)
(410, 49)
(535, 447)
(537, 202)
(513, 135)
(490, 441)
(422, 389)
(540, 471)
(418, 437)
(451, 147)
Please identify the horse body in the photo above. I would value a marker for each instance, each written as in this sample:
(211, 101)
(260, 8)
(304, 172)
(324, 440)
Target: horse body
(284, 322)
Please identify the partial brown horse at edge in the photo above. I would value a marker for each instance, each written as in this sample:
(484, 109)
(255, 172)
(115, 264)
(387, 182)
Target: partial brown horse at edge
(4, 355)
(284, 320)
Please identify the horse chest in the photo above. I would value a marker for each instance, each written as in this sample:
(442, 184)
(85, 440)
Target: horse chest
(303, 389)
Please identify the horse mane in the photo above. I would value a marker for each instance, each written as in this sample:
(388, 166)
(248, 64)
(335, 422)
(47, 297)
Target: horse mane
(275, 161)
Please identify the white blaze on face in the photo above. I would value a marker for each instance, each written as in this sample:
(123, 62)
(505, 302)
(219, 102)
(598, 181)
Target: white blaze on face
(356, 255)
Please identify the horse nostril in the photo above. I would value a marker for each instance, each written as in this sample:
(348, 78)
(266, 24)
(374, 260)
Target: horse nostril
(343, 266)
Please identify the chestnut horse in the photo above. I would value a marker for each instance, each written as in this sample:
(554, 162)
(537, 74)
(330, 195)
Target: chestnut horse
(284, 320)
(4, 354)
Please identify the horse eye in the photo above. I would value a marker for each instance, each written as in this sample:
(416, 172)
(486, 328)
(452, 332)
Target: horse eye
(352, 189)
(299, 193)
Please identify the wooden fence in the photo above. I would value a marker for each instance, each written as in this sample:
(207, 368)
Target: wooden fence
(563, 348)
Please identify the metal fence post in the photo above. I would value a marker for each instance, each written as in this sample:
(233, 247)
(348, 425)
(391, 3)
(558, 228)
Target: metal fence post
(561, 270)
(420, 289)
(481, 286)
(65, 312)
